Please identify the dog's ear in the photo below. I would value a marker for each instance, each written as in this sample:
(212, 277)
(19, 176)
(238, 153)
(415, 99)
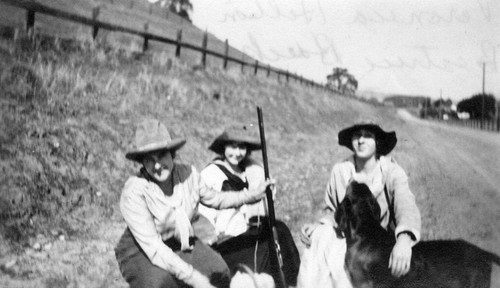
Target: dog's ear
(342, 217)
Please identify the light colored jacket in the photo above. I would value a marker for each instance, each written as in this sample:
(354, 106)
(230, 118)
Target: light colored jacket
(388, 174)
(233, 221)
(152, 216)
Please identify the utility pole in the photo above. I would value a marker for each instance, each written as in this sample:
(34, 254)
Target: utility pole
(482, 101)
(441, 102)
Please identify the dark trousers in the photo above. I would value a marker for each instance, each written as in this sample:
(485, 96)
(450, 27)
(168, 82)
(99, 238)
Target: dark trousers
(242, 250)
(139, 272)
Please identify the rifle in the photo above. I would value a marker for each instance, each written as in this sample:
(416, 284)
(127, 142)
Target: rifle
(274, 246)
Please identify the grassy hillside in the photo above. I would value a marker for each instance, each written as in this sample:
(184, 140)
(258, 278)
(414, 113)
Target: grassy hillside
(68, 113)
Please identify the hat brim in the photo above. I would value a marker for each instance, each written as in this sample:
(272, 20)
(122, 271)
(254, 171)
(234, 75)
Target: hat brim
(386, 141)
(137, 155)
(219, 144)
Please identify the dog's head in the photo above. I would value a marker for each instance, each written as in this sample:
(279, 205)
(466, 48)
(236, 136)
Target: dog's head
(358, 208)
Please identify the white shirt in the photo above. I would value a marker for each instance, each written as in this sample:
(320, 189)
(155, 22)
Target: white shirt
(152, 216)
(233, 221)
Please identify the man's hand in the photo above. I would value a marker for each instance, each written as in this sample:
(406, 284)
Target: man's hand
(400, 259)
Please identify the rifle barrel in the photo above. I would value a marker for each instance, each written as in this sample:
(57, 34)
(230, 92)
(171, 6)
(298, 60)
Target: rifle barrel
(270, 204)
(269, 193)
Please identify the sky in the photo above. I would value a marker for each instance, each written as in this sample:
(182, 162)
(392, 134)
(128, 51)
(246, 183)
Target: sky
(426, 48)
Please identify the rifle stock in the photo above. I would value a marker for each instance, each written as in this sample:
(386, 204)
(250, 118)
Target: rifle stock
(275, 249)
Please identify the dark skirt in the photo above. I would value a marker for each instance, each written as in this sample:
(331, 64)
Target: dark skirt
(139, 272)
(253, 248)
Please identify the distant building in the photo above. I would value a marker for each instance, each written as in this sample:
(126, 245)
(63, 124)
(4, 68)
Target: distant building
(407, 101)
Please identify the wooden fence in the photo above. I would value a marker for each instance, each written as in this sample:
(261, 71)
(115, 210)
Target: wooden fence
(488, 124)
(126, 16)
(492, 125)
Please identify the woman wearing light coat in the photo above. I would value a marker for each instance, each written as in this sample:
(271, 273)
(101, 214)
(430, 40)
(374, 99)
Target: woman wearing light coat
(323, 260)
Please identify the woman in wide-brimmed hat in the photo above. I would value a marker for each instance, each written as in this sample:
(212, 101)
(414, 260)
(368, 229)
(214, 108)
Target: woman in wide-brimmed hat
(371, 165)
(242, 234)
(159, 247)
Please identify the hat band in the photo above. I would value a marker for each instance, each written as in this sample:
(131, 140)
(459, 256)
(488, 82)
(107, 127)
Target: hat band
(153, 146)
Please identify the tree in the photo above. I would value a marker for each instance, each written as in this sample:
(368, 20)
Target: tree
(179, 7)
(342, 81)
(474, 106)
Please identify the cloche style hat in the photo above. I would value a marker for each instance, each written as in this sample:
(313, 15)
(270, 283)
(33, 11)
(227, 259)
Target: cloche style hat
(237, 133)
(151, 135)
(386, 141)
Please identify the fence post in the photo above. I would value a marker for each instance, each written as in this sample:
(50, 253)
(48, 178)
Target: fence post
(95, 15)
(179, 40)
(226, 53)
(498, 117)
(287, 75)
(145, 45)
(30, 26)
(268, 70)
(30, 21)
(204, 44)
(256, 67)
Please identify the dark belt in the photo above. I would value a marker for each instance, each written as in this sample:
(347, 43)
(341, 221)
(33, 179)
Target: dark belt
(175, 244)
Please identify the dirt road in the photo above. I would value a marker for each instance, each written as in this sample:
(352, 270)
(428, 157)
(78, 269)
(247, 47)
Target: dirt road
(456, 180)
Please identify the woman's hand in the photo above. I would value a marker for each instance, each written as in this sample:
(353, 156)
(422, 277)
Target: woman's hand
(260, 192)
(400, 259)
(198, 280)
(306, 232)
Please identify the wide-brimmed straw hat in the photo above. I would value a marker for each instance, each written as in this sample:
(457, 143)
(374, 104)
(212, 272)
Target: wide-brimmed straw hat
(150, 136)
(237, 133)
(386, 141)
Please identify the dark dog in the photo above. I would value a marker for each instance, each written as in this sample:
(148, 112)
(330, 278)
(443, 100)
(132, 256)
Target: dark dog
(440, 264)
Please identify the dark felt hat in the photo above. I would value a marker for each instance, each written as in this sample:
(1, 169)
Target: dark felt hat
(150, 136)
(237, 133)
(386, 141)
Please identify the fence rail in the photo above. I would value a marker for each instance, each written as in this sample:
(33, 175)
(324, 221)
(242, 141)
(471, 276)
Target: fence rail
(90, 15)
(492, 125)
